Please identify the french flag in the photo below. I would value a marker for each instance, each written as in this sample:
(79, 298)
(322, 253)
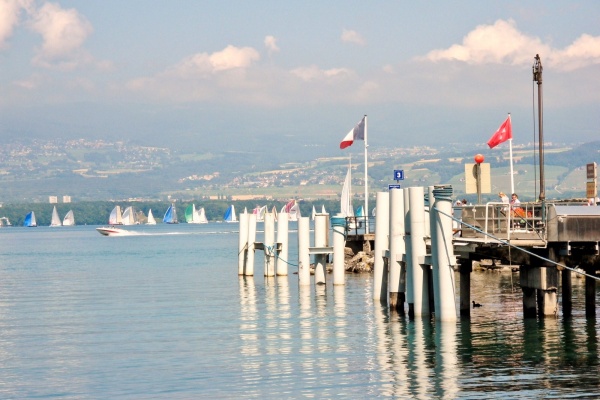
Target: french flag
(357, 133)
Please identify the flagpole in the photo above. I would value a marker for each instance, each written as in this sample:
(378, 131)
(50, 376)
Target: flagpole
(366, 181)
(512, 176)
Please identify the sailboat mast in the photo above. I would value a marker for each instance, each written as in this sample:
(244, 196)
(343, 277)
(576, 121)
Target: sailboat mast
(537, 77)
(366, 180)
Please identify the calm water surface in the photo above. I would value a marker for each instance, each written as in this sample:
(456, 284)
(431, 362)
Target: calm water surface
(163, 314)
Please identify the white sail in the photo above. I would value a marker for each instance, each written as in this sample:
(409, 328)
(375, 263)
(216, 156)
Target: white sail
(55, 218)
(202, 216)
(115, 217)
(314, 212)
(323, 209)
(128, 216)
(230, 214)
(151, 220)
(69, 219)
(345, 201)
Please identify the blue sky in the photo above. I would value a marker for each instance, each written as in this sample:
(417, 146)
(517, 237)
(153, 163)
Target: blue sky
(422, 71)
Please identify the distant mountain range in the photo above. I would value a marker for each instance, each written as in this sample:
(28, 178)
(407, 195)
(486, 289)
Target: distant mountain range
(99, 170)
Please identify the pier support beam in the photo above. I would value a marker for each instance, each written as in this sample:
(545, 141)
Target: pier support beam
(420, 271)
(397, 275)
(251, 245)
(466, 267)
(303, 255)
(243, 244)
(269, 244)
(380, 270)
(321, 231)
(338, 224)
(442, 254)
(544, 280)
(282, 239)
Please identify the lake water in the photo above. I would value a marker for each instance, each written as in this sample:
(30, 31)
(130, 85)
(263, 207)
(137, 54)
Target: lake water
(163, 314)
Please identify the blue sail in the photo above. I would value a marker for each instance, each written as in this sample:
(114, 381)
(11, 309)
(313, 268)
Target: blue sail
(227, 216)
(30, 220)
(170, 216)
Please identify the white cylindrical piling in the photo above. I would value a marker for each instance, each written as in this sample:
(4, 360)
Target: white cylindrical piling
(282, 238)
(407, 244)
(243, 244)
(321, 230)
(251, 240)
(269, 244)
(382, 231)
(338, 223)
(397, 284)
(443, 256)
(303, 255)
(418, 251)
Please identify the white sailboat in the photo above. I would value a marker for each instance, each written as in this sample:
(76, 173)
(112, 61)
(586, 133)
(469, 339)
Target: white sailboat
(314, 212)
(115, 217)
(171, 215)
(151, 220)
(230, 214)
(55, 218)
(202, 216)
(128, 217)
(69, 219)
(346, 208)
(292, 209)
(323, 209)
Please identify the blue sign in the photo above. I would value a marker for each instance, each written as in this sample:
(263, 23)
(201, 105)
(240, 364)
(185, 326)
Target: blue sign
(390, 187)
(398, 174)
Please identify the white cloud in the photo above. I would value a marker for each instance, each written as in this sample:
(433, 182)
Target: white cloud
(10, 11)
(63, 31)
(350, 36)
(503, 43)
(313, 72)
(581, 53)
(229, 58)
(271, 44)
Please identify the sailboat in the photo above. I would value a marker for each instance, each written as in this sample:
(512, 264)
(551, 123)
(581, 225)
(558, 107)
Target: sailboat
(115, 217)
(192, 216)
(151, 220)
(55, 218)
(202, 216)
(171, 215)
(230, 214)
(128, 217)
(346, 200)
(292, 209)
(323, 209)
(69, 219)
(260, 213)
(314, 212)
(274, 212)
(30, 220)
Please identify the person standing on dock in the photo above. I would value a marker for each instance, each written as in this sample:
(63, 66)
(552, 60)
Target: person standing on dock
(514, 201)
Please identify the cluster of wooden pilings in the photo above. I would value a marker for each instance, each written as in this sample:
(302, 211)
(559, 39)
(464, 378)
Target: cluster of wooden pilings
(403, 267)
(276, 251)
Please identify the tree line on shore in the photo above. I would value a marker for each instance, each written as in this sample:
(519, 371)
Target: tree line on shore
(97, 212)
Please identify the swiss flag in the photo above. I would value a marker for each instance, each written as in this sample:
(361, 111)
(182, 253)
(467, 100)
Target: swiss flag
(502, 134)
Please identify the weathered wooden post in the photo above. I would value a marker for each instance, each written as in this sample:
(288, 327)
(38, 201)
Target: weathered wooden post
(380, 273)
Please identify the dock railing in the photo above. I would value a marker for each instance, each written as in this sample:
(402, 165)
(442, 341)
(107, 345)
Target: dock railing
(504, 221)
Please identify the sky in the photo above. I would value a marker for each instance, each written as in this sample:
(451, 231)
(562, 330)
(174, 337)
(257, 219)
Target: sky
(208, 72)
